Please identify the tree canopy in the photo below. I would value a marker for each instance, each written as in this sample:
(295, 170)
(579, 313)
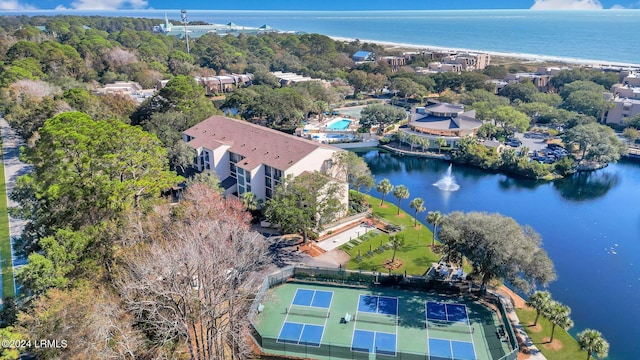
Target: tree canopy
(181, 94)
(383, 115)
(498, 248)
(88, 171)
(305, 203)
(354, 169)
(594, 142)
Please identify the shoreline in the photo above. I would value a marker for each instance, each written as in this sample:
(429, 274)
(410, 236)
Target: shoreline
(516, 56)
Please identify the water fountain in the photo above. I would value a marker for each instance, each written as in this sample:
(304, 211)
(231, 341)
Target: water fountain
(448, 182)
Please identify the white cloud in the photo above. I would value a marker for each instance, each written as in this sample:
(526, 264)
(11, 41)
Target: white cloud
(634, 5)
(109, 4)
(566, 5)
(9, 5)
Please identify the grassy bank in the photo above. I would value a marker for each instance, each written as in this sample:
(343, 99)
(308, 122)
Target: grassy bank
(416, 254)
(564, 345)
(5, 240)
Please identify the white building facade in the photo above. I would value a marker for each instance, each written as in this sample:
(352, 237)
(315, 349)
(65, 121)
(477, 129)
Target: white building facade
(252, 158)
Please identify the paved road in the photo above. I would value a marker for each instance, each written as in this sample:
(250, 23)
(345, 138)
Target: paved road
(13, 168)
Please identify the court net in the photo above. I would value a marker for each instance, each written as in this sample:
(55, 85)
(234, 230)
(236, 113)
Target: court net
(377, 318)
(450, 326)
(308, 311)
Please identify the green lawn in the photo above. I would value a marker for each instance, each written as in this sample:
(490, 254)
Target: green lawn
(416, 254)
(5, 240)
(570, 348)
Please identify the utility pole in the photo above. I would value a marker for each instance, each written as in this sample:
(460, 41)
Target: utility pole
(184, 22)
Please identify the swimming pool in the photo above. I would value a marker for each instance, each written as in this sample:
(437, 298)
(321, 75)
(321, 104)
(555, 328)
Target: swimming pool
(341, 124)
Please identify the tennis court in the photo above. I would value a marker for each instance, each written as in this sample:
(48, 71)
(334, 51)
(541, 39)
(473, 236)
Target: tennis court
(447, 312)
(338, 322)
(443, 318)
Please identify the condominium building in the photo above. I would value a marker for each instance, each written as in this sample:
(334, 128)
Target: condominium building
(625, 100)
(252, 158)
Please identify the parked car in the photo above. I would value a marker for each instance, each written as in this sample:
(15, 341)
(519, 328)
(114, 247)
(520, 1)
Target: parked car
(513, 142)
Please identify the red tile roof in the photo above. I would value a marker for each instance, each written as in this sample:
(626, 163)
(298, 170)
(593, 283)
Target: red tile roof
(258, 144)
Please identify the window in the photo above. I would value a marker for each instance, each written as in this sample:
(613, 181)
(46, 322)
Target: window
(272, 178)
(233, 160)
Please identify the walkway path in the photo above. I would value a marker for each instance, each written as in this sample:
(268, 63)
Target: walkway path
(13, 167)
(511, 300)
(343, 237)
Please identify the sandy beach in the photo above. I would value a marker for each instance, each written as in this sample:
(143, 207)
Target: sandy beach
(516, 56)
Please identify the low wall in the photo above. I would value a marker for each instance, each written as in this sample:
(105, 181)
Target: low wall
(357, 145)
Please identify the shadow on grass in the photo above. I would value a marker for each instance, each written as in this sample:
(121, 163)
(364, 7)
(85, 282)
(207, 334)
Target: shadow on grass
(424, 261)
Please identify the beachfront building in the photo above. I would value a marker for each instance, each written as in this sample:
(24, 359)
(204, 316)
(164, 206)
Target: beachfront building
(469, 61)
(438, 67)
(252, 158)
(394, 62)
(126, 88)
(541, 78)
(625, 99)
(289, 78)
(217, 84)
(443, 120)
(362, 56)
(196, 31)
(224, 83)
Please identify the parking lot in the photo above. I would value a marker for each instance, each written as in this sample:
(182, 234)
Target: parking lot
(533, 144)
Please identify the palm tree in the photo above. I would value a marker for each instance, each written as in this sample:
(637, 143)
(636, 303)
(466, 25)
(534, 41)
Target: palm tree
(592, 342)
(320, 107)
(384, 187)
(558, 315)
(413, 140)
(400, 192)
(441, 141)
(539, 300)
(249, 201)
(417, 204)
(397, 241)
(434, 218)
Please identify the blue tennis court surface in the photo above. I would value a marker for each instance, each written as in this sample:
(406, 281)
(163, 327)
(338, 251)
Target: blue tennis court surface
(374, 342)
(378, 304)
(436, 311)
(447, 312)
(457, 312)
(440, 349)
(301, 334)
(315, 298)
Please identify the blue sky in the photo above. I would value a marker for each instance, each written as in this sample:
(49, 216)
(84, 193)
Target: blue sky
(316, 5)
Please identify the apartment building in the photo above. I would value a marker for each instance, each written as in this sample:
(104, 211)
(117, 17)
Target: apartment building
(253, 158)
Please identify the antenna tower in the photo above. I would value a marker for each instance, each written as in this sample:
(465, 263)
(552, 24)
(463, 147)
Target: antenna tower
(184, 22)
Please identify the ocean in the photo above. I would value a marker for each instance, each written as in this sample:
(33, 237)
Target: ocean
(605, 36)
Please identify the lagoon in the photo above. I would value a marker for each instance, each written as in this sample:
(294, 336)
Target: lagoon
(589, 223)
